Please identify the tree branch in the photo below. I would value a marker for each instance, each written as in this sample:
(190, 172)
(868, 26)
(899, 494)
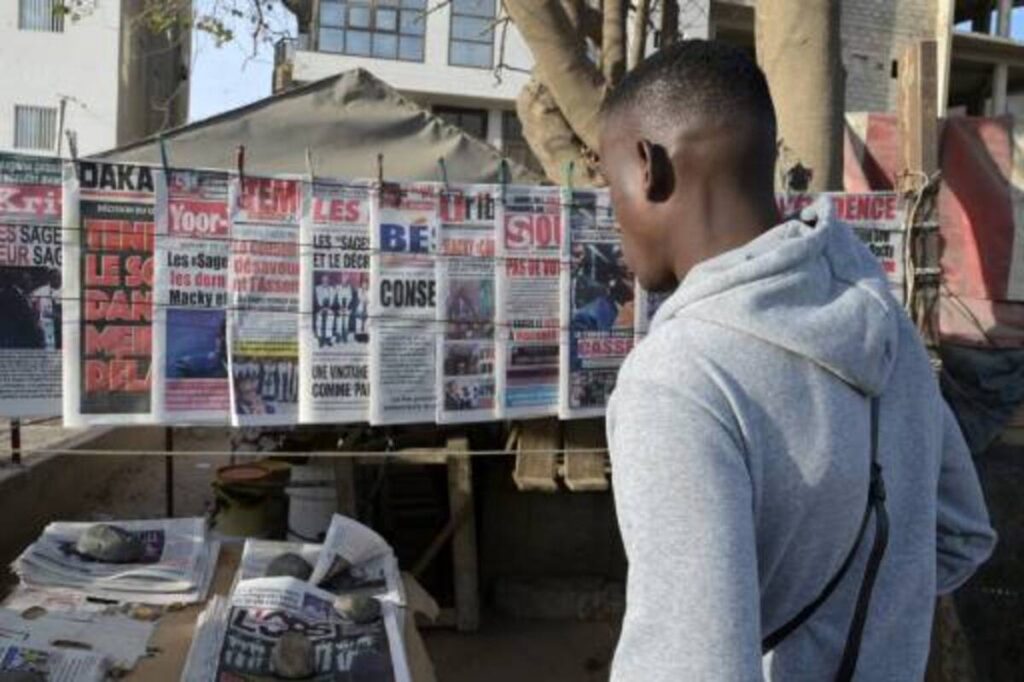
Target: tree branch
(669, 22)
(551, 138)
(613, 41)
(559, 53)
(639, 45)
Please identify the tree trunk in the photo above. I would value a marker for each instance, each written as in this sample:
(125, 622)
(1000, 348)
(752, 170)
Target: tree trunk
(639, 45)
(613, 41)
(550, 137)
(669, 22)
(559, 53)
(798, 47)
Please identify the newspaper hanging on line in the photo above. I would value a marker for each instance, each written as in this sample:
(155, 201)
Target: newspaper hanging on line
(645, 308)
(878, 218)
(465, 289)
(191, 274)
(334, 338)
(108, 276)
(597, 304)
(403, 304)
(528, 256)
(30, 286)
(263, 317)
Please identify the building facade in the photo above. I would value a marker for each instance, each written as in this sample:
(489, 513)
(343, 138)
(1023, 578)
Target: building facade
(100, 74)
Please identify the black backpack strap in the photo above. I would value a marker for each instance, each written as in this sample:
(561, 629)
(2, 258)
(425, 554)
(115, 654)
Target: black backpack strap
(876, 503)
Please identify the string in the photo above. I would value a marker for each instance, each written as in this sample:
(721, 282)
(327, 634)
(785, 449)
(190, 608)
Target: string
(392, 454)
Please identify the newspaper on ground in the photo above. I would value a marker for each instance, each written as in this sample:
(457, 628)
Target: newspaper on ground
(465, 314)
(30, 286)
(108, 302)
(597, 304)
(878, 218)
(334, 336)
(528, 255)
(403, 305)
(191, 275)
(176, 563)
(259, 555)
(50, 663)
(264, 278)
(119, 639)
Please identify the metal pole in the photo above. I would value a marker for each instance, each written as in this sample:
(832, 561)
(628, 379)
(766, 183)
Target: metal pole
(16, 441)
(169, 470)
(1001, 72)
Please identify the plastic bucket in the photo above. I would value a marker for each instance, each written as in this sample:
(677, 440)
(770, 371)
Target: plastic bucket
(250, 500)
(312, 501)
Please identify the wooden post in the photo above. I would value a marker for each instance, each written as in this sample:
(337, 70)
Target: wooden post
(536, 467)
(169, 471)
(918, 122)
(584, 471)
(464, 556)
(15, 441)
(345, 486)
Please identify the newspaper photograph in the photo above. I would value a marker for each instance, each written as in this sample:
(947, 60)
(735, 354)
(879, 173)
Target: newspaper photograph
(403, 306)
(528, 255)
(108, 275)
(20, 661)
(465, 289)
(274, 628)
(334, 338)
(30, 286)
(597, 305)
(645, 308)
(876, 217)
(263, 317)
(193, 247)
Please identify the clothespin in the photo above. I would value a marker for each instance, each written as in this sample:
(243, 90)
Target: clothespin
(73, 148)
(240, 162)
(380, 169)
(570, 166)
(503, 174)
(444, 171)
(163, 157)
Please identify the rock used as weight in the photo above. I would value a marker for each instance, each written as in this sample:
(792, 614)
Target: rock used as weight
(110, 544)
(289, 564)
(292, 657)
(358, 608)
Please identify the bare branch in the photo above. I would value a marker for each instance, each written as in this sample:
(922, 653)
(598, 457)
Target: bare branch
(669, 21)
(613, 41)
(640, 22)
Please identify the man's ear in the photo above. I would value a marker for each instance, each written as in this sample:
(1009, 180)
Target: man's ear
(659, 176)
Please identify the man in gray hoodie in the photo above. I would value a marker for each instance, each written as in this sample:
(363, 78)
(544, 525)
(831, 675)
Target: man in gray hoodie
(740, 428)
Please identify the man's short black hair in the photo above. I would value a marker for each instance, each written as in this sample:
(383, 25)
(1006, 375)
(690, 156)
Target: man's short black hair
(701, 79)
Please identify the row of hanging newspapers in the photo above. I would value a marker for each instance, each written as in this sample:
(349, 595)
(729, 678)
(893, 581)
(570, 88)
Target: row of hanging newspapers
(138, 295)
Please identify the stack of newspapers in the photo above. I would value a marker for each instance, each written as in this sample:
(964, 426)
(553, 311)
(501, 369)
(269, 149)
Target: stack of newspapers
(171, 563)
(301, 611)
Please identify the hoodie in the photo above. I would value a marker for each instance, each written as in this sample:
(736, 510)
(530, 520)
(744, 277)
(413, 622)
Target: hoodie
(739, 435)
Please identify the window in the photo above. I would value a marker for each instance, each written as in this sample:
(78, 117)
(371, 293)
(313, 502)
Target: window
(35, 127)
(40, 15)
(514, 145)
(385, 29)
(473, 121)
(471, 41)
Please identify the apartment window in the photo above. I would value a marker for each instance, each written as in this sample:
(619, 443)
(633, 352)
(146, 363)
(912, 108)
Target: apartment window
(385, 29)
(473, 121)
(40, 15)
(513, 144)
(471, 40)
(35, 127)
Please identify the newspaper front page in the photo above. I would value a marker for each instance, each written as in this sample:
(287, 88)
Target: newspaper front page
(108, 312)
(334, 333)
(528, 249)
(646, 307)
(49, 663)
(31, 303)
(403, 305)
(465, 288)
(597, 305)
(193, 249)
(263, 318)
(878, 218)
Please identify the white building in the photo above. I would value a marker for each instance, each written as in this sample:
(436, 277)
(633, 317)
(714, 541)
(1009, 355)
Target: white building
(94, 75)
(445, 59)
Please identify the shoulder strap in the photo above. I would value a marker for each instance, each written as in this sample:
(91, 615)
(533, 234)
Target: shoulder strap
(876, 503)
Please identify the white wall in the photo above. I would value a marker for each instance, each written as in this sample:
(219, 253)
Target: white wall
(433, 75)
(37, 68)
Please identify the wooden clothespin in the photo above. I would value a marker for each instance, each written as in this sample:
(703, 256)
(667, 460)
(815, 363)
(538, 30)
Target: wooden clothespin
(444, 171)
(240, 163)
(163, 157)
(73, 148)
(309, 165)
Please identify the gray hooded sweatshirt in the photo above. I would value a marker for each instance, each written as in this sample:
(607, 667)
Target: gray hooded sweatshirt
(739, 434)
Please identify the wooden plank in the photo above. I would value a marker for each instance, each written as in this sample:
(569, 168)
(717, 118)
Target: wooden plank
(585, 471)
(345, 486)
(464, 555)
(537, 470)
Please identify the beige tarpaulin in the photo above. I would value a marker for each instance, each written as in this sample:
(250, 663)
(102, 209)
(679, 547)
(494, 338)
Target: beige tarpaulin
(345, 121)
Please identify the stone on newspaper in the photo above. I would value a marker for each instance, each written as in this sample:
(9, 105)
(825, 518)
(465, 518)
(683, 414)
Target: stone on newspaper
(291, 565)
(292, 657)
(110, 544)
(358, 608)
